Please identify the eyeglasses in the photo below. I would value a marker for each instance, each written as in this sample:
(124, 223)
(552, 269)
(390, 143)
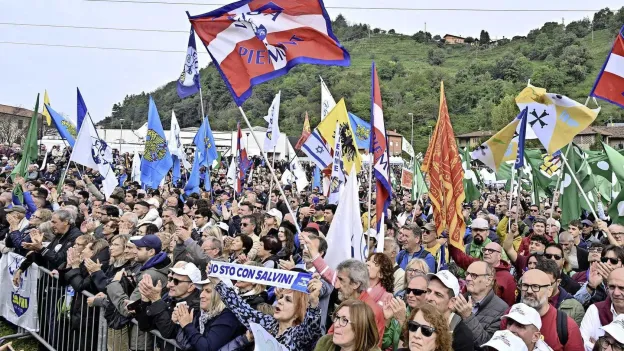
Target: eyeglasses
(606, 342)
(36, 217)
(552, 256)
(595, 249)
(532, 211)
(341, 321)
(474, 276)
(534, 287)
(177, 281)
(488, 251)
(244, 224)
(258, 208)
(415, 292)
(611, 260)
(425, 330)
(414, 271)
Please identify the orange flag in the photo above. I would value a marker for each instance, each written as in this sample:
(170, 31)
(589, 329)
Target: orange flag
(444, 170)
(305, 133)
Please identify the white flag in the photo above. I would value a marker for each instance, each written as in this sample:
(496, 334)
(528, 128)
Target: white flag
(287, 177)
(337, 179)
(231, 173)
(141, 132)
(175, 143)
(273, 133)
(327, 100)
(136, 168)
(99, 158)
(407, 147)
(346, 235)
(263, 340)
(301, 180)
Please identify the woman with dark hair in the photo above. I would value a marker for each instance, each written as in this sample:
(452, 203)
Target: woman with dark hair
(267, 251)
(381, 277)
(147, 229)
(241, 245)
(110, 229)
(354, 329)
(426, 330)
(287, 238)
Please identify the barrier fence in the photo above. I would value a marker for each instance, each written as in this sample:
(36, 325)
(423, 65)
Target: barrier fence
(67, 323)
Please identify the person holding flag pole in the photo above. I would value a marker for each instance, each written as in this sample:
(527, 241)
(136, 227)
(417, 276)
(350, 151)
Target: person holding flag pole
(520, 159)
(272, 135)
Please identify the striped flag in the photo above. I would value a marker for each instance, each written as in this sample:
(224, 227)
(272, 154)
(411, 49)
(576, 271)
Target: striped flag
(305, 133)
(379, 150)
(609, 85)
(244, 163)
(254, 41)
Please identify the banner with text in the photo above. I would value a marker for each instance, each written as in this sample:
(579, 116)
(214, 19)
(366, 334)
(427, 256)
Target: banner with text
(18, 304)
(261, 275)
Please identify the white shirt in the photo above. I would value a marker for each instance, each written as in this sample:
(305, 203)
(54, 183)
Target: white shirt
(542, 346)
(590, 326)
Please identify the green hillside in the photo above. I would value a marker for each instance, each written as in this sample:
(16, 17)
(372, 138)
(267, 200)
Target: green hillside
(481, 79)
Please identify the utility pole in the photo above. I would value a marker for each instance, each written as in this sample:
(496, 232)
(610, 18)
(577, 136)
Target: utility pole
(426, 37)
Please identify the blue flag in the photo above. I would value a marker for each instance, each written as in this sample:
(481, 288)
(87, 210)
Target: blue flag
(82, 110)
(316, 182)
(157, 160)
(66, 129)
(521, 140)
(188, 84)
(204, 141)
(362, 130)
(192, 185)
(175, 174)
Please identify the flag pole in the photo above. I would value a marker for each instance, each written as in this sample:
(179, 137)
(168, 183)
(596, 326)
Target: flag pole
(370, 196)
(511, 198)
(559, 179)
(264, 156)
(271, 186)
(580, 188)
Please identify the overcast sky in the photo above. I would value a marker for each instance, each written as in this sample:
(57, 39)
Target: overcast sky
(107, 76)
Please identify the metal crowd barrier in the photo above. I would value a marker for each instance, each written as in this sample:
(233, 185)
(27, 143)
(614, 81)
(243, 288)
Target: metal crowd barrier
(56, 331)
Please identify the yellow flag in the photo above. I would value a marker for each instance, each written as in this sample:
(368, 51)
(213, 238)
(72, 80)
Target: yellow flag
(327, 128)
(46, 101)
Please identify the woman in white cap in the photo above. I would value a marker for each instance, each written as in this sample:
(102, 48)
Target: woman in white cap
(613, 340)
(504, 340)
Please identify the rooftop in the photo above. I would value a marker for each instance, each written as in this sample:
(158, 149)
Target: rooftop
(16, 111)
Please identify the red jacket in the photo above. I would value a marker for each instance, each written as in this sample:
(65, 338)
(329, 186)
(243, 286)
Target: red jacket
(504, 280)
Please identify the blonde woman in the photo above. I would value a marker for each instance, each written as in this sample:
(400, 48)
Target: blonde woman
(414, 268)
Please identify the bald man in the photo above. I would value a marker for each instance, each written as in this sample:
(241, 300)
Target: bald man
(602, 313)
(535, 288)
(492, 256)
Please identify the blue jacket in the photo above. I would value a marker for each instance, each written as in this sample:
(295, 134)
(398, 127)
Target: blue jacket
(404, 257)
(218, 331)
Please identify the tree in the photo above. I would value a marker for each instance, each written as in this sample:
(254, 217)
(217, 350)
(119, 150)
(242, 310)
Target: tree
(437, 37)
(376, 30)
(469, 40)
(422, 37)
(602, 18)
(484, 37)
(391, 31)
(435, 57)
(504, 112)
(579, 28)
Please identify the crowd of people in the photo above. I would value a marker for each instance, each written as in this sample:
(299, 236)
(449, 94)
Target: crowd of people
(523, 281)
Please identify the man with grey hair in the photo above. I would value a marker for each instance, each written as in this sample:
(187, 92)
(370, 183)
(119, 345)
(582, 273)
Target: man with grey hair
(577, 257)
(391, 249)
(55, 254)
(128, 223)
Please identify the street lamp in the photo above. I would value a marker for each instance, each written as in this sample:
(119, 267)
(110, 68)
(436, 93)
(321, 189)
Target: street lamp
(120, 134)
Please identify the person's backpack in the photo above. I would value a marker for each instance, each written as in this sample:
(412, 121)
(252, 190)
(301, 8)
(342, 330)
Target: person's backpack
(562, 327)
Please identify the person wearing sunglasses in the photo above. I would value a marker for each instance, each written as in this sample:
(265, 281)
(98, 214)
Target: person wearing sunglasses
(613, 338)
(556, 253)
(354, 329)
(594, 254)
(595, 288)
(525, 323)
(427, 330)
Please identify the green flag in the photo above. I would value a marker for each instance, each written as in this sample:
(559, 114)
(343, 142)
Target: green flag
(599, 163)
(218, 161)
(616, 162)
(504, 173)
(541, 182)
(420, 186)
(470, 180)
(29, 151)
(616, 210)
(571, 200)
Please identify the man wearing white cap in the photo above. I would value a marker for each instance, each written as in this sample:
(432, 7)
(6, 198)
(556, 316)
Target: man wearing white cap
(525, 322)
(504, 340)
(155, 312)
(480, 231)
(614, 334)
(442, 291)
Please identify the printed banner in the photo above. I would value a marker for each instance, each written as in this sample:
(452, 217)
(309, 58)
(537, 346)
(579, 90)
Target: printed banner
(260, 275)
(19, 304)
(265, 341)
(407, 178)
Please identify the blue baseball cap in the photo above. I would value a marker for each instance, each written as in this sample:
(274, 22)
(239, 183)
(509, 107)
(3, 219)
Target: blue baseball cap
(150, 241)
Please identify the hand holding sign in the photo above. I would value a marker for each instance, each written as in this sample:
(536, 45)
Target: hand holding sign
(314, 288)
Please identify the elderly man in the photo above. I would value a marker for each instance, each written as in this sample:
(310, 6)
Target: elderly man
(535, 290)
(560, 298)
(577, 257)
(525, 322)
(482, 310)
(615, 233)
(128, 223)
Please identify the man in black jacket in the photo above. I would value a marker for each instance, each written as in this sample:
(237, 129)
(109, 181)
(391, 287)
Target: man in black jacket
(155, 312)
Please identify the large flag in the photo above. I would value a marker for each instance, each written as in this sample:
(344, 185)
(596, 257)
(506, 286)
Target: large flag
(65, 127)
(157, 159)
(521, 141)
(272, 135)
(444, 170)
(407, 147)
(616, 210)
(254, 41)
(555, 119)
(379, 149)
(175, 143)
(337, 178)
(30, 151)
(502, 146)
(471, 189)
(420, 186)
(192, 185)
(571, 201)
(327, 128)
(188, 83)
(609, 85)
(82, 110)
(616, 161)
(345, 238)
(316, 150)
(205, 144)
(362, 131)
(99, 157)
(243, 162)
(301, 179)
(136, 168)
(327, 100)
(45, 113)
(305, 133)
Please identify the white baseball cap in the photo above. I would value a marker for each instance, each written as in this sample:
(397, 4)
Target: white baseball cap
(274, 212)
(504, 340)
(448, 279)
(480, 223)
(616, 328)
(190, 270)
(223, 226)
(524, 315)
(154, 202)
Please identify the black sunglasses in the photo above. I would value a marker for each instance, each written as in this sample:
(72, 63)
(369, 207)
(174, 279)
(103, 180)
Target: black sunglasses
(425, 330)
(552, 256)
(177, 281)
(416, 292)
(613, 261)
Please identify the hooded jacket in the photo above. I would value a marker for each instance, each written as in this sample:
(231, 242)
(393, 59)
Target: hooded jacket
(565, 302)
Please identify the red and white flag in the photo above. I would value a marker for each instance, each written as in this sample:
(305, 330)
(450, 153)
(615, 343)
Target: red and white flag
(609, 85)
(244, 163)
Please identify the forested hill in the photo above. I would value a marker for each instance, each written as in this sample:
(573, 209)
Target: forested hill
(481, 79)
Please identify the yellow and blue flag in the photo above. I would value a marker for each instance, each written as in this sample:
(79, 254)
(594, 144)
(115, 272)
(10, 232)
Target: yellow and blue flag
(65, 127)
(45, 113)
(205, 143)
(327, 128)
(157, 160)
(555, 119)
(501, 147)
(362, 131)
